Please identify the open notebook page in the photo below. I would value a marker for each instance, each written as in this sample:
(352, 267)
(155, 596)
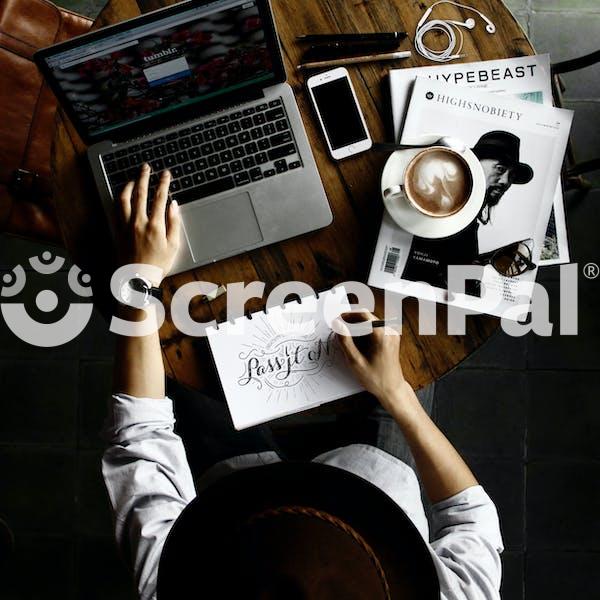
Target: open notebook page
(282, 362)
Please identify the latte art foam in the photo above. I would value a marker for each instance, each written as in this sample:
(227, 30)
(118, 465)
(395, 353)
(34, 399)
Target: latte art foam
(438, 182)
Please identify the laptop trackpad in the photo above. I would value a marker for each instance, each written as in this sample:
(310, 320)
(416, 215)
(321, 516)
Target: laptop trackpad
(221, 227)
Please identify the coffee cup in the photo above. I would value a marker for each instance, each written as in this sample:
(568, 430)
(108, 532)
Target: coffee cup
(437, 182)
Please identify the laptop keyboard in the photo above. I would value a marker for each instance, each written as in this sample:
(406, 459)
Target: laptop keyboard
(228, 151)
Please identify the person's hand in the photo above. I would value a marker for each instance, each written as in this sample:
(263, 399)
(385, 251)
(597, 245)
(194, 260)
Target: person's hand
(149, 239)
(375, 361)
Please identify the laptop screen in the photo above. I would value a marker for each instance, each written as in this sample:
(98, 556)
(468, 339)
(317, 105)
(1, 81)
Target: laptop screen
(160, 66)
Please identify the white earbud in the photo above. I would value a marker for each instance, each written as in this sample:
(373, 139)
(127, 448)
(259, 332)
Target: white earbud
(469, 23)
(449, 28)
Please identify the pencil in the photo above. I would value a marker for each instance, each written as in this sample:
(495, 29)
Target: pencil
(354, 60)
(323, 38)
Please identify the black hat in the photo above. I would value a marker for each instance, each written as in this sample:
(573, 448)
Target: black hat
(295, 531)
(504, 146)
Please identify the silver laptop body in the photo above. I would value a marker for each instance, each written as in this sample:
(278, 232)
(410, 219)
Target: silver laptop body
(244, 174)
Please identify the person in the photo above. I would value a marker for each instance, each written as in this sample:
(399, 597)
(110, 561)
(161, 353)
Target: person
(498, 153)
(349, 524)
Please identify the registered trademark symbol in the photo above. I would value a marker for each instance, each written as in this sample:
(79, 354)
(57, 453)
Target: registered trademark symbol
(591, 270)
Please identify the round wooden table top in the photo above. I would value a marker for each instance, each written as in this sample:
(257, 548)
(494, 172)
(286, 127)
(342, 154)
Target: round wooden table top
(338, 253)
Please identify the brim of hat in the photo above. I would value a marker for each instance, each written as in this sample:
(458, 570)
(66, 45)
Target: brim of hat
(196, 550)
(523, 173)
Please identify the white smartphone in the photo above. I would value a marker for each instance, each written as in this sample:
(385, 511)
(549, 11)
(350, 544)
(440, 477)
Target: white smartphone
(339, 113)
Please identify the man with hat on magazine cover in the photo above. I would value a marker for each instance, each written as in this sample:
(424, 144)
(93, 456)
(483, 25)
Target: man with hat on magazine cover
(349, 525)
(498, 152)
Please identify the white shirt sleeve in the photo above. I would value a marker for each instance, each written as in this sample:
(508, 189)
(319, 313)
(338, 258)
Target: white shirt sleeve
(148, 480)
(467, 544)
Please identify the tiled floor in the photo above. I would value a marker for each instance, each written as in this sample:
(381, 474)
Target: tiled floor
(524, 412)
(568, 29)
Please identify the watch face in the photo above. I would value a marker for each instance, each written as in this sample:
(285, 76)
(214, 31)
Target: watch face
(137, 285)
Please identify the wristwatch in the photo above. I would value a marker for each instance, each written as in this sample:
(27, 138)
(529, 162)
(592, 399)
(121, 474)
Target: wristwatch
(138, 284)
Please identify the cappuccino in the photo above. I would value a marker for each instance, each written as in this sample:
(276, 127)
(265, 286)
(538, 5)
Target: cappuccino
(438, 182)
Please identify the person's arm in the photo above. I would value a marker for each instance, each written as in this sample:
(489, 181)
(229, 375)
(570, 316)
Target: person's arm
(145, 467)
(442, 470)
(464, 522)
(147, 240)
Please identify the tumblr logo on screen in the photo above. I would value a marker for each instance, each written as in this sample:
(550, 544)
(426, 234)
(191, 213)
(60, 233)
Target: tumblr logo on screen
(32, 331)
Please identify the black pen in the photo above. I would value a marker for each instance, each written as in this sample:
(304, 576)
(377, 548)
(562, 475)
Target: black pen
(339, 49)
(385, 323)
(324, 38)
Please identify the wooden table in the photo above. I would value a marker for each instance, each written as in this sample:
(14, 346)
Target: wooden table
(338, 253)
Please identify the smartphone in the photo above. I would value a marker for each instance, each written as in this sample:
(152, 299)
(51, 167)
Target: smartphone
(337, 108)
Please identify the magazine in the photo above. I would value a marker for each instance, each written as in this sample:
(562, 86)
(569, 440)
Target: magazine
(526, 77)
(536, 137)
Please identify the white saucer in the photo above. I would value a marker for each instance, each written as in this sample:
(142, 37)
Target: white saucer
(415, 222)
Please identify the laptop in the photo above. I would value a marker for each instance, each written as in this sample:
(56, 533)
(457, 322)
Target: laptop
(198, 88)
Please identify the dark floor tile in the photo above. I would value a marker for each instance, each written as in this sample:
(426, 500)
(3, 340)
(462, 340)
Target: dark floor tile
(564, 415)
(501, 351)
(512, 576)
(39, 401)
(102, 573)
(586, 145)
(562, 506)
(504, 481)
(483, 413)
(580, 351)
(40, 569)
(550, 575)
(96, 341)
(95, 389)
(94, 516)
(582, 212)
(12, 347)
(38, 489)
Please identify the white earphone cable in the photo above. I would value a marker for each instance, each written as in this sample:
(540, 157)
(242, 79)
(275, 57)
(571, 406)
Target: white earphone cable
(450, 29)
(439, 55)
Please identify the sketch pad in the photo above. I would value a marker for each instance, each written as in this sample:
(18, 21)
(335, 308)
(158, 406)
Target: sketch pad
(284, 361)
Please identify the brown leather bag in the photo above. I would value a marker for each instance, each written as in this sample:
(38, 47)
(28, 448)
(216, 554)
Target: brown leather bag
(27, 112)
